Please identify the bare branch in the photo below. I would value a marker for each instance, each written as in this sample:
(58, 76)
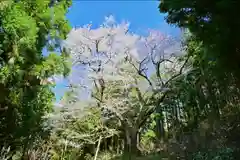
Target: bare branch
(157, 67)
(96, 86)
(145, 114)
(140, 71)
(179, 73)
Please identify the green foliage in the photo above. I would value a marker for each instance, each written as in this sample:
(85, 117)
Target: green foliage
(196, 118)
(75, 136)
(213, 23)
(26, 95)
(222, 154)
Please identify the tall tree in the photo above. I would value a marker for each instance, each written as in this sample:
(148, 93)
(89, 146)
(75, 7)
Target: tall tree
(213, 23)
(26, 28)
(116, 63)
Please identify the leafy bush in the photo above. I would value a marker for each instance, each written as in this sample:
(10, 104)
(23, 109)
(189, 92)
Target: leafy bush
(221, 154)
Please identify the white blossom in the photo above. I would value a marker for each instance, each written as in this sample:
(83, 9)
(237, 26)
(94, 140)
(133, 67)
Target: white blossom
(123, 60)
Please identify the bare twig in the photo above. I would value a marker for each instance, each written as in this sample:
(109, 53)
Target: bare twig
(179, 73)
(140, 71)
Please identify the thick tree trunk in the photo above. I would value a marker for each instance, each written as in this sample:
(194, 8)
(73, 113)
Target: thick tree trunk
(131, 142)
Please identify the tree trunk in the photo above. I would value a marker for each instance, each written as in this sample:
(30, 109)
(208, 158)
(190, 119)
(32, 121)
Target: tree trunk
(160, 131)
(131, 142)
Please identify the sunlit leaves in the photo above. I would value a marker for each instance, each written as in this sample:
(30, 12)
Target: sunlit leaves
(25, 72)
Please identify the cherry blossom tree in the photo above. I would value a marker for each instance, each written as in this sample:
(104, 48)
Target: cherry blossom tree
(118, 66)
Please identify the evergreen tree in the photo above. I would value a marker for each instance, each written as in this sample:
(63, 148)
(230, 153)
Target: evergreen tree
(26, 28)
(214, 23)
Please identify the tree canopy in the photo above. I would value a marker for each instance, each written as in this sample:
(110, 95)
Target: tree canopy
(30, 54)
(145, 97)
(213, 23)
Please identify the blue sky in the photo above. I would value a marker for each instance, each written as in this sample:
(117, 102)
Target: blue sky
(142, 15)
